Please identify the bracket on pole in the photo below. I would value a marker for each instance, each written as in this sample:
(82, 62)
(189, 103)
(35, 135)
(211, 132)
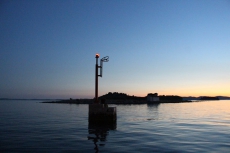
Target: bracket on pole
(104, 59)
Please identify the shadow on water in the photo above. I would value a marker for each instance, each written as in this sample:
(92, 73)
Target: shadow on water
(98, 133)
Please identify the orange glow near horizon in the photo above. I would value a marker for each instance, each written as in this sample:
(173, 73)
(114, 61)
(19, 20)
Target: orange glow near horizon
(185, 93)
(182, 95)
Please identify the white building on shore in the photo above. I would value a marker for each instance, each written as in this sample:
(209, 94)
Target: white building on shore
(153, 97)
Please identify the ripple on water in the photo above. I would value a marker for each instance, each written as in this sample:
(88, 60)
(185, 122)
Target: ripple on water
(191, 127)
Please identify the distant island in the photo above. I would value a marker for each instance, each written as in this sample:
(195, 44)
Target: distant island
(209, 98)
(151, 98)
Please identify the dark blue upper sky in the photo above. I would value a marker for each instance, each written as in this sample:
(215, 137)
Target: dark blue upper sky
(171, 47)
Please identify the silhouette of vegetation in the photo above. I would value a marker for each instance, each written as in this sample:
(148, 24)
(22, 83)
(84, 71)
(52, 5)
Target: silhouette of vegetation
(209, 98)
(123, 96)
(171, 98)
(120, 96)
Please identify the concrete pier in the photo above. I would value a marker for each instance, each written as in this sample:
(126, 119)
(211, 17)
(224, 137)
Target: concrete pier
(101, 113)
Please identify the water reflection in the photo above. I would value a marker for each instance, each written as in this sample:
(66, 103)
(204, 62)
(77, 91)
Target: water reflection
(153, 111)
(153, 106)
(98, 133)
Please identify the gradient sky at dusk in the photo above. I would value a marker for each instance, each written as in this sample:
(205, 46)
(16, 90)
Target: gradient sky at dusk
(179, 47)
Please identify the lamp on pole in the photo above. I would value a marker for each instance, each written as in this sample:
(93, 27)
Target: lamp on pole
(104, 59)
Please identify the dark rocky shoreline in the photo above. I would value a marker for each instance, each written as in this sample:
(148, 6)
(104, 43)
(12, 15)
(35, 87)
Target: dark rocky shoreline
(122, 98)
(112, 101)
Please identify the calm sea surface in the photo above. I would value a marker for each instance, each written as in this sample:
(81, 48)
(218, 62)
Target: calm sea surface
(30, 126)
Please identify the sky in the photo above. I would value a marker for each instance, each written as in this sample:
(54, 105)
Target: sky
(180, 47)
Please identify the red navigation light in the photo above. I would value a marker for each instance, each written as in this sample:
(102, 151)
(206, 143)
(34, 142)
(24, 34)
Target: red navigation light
(97, 55)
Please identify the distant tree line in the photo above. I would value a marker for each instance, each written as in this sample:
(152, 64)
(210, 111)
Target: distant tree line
(123, 96)
(116, 95)
(171, 98)
(209, 98)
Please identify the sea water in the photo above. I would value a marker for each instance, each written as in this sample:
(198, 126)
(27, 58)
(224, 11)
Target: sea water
(31, 126)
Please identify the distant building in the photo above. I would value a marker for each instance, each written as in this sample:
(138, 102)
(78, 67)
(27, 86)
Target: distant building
(153, 97)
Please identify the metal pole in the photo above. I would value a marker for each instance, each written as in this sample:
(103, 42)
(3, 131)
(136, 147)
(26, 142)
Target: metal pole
(96, 79)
